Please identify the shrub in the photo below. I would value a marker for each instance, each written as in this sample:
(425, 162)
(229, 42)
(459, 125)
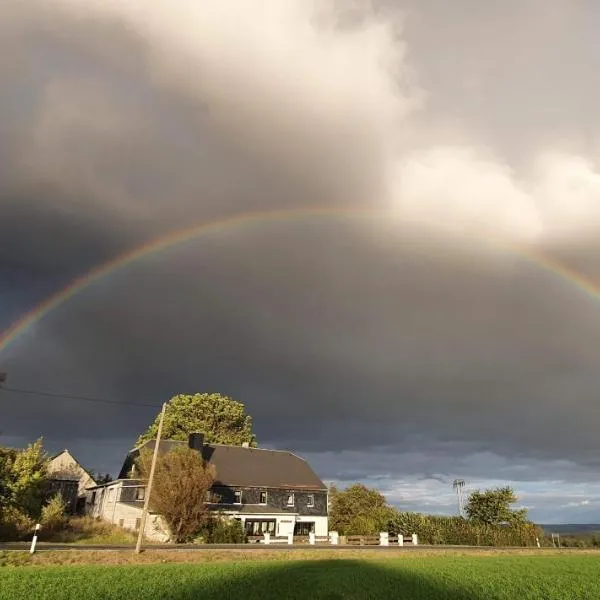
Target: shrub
(54, 516)
(222, 531)
(15, 525)
(433, 529)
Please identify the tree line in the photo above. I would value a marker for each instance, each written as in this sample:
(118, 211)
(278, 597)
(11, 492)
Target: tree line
(490, 520)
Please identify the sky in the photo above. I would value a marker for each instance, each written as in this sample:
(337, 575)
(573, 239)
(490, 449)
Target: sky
(403, 339)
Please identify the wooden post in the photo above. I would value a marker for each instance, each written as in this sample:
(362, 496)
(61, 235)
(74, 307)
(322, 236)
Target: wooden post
(138, 547)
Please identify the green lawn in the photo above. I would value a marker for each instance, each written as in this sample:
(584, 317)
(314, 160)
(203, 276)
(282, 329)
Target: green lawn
(420, 578)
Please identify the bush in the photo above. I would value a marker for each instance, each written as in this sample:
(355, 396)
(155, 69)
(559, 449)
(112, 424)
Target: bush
(15, 525)
(222, 531)
(54, 516)
(433, 529)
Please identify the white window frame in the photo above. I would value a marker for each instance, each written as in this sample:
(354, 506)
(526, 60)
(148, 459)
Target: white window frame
(310, 501)
(293, 497)
(260, 497)
(235, 495)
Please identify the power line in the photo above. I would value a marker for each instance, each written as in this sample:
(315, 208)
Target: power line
(74, 397)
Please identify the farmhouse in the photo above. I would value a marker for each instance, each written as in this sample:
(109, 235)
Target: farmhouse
(269, 491)
(70, 479)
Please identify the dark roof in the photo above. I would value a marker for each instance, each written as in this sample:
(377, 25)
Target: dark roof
(245, 467)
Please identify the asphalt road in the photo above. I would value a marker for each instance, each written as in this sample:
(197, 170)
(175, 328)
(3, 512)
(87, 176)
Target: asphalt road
(41, 547)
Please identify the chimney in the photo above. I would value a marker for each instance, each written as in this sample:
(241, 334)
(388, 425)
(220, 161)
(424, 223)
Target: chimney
(196, 441)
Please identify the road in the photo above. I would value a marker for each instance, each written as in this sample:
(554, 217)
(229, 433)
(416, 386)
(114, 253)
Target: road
(41, 547)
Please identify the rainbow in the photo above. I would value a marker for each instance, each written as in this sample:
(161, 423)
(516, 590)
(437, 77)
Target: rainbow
(160, 244)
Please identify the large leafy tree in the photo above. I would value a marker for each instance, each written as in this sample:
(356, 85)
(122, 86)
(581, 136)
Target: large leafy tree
(221, 420)
(358, 510)
(23, 489)
(24, 478)
(181, 480)
(493, 507)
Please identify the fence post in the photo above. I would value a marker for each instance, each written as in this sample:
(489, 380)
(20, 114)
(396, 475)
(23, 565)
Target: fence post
(384, 538)
(415, 539)
(333, 538)
(311, 538)
(267, 538)
(290, 538)
(34, 540)
(400, 540)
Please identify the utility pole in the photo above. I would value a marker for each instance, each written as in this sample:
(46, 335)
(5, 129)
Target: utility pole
(138, 547)
(458, 485)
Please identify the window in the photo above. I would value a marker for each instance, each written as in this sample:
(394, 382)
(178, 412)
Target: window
(290, 500)
(237, 497)
(93, 497)
(304, 528)
(263, 497)
(121, 522)
(310, 501)
(138, 524)
(260, 526)
(140, 493)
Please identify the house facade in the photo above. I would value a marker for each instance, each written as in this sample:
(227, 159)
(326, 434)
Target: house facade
(70, 479)
(269, 491)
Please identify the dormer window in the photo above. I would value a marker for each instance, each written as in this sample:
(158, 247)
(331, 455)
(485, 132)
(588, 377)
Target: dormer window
(290, 499)
(263, 497)
(237, 497)
(310, 501)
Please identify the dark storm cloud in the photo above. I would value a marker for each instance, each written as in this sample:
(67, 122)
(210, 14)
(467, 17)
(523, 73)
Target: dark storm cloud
(120, 124)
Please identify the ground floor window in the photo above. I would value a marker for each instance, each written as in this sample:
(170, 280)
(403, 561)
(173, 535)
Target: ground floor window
(260, 526)
(304, 528)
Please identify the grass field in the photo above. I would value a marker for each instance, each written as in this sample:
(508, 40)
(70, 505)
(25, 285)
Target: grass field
(446, 577)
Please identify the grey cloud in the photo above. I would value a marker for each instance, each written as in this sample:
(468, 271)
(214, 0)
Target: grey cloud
(338, 333)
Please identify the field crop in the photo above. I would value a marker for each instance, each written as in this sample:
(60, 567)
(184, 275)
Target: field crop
(445, 577)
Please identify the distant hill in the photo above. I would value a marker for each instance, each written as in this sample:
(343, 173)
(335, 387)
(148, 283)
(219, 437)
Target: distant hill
(565, 528)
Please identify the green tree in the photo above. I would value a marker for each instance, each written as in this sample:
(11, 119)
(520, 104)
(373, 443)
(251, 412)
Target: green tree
(492, 507)
(24, 478)
(358, 510)
(221, 420)
(182, 479)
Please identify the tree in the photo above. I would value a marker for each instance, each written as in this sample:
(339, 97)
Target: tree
(100, 478)
(358, 510)
(221, 420)
(24, 478)
(181, 480)
(492, 507)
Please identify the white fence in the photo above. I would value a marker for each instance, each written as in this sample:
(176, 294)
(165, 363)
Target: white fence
(334, 539)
